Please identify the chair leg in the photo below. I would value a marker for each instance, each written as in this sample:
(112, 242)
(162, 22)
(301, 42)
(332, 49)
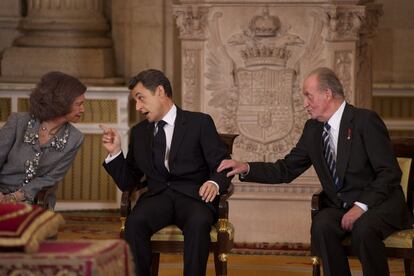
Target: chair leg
(220, 263)
(408, 267)
(316, 266)
(155, 263)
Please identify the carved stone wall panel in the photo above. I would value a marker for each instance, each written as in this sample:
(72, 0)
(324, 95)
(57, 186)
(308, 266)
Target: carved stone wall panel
(254, 59)
(254, 75)
(191, 78)
(344, 68)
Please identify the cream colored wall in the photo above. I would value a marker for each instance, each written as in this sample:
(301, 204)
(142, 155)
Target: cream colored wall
(393, 47)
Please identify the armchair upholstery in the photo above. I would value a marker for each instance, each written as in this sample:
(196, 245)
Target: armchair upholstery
(171, 240)
(401, 243)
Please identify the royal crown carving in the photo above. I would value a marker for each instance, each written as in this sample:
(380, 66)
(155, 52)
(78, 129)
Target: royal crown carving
(264, 25)
(265, 41)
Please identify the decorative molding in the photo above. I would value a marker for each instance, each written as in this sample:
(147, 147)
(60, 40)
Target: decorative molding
(399, 124)
(191, 21)
(370, 21)
(65, 5)
(191, 79)
(343, 67)
(8, 22)
(274, 191)
(343, 22)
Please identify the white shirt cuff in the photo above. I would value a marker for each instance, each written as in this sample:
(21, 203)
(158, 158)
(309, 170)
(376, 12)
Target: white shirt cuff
(109, 158)
(243, 175)
(361, 205)
(215, 183)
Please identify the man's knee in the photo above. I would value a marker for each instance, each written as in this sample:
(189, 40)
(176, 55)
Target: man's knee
(362, 231)
(201, 224)
(321, 226)
(136, 223)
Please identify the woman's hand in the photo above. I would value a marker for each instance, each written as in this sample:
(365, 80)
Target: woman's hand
(12, 197)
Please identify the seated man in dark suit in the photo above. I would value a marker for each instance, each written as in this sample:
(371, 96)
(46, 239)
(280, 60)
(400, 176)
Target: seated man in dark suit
(177, 152)
(351, 152)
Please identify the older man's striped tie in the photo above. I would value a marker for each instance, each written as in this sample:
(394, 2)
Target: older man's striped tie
(328, 152)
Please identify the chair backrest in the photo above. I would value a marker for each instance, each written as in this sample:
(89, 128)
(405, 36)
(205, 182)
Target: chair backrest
(228, 139)
(405, 166)
(404, 151)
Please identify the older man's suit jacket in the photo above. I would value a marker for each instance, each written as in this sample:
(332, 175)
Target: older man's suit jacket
(366, 166)
(196, 151)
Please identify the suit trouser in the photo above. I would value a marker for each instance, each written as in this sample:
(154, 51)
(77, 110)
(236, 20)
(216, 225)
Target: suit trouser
(367, 237)
(152, 213)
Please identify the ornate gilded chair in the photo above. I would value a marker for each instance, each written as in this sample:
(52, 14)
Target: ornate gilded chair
(400, 244)
(171, 240)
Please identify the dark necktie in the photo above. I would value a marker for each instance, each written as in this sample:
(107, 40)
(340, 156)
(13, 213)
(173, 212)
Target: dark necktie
(158, 149)
(329, 154)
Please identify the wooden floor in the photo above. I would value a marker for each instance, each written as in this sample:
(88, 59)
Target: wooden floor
(262, 265)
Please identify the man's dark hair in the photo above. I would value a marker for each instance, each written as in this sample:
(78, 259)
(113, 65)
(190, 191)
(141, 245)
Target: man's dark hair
(54, 95)
(328, 79)
(150, 79)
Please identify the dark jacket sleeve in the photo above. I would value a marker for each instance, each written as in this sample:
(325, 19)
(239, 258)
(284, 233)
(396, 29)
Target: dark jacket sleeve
(283, 170)
(214, 151)
(386, 172)
(125, 171)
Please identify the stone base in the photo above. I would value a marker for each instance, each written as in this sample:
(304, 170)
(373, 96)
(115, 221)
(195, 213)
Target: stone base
(270, 216)
(31, 62)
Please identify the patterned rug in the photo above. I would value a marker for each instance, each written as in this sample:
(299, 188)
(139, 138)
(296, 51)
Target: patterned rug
(106, 225)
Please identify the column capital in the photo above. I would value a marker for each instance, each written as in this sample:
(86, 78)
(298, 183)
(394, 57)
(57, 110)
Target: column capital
(192, 21)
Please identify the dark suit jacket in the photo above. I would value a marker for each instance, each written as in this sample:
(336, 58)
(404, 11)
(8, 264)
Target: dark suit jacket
(366, 166)
(196, 151)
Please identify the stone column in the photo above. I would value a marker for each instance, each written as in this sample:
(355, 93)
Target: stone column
(192, 23)
(10, 16)
(349, 30)
(65, 35)
(244, 63)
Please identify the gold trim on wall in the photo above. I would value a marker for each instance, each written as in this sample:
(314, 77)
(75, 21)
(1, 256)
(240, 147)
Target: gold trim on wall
(22, 105)
(5, 109)
(87, 180)
(394, 107)
(100, 111)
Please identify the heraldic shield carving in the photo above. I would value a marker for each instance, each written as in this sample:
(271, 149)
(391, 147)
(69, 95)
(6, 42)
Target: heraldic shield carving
(254, 79)
(265, 106)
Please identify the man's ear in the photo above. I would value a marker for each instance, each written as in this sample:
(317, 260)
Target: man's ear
(160, 90)
(329, 93)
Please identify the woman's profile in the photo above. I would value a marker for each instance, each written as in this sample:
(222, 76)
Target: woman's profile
(38, 147)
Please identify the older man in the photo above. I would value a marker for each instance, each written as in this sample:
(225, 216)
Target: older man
(351, 152)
